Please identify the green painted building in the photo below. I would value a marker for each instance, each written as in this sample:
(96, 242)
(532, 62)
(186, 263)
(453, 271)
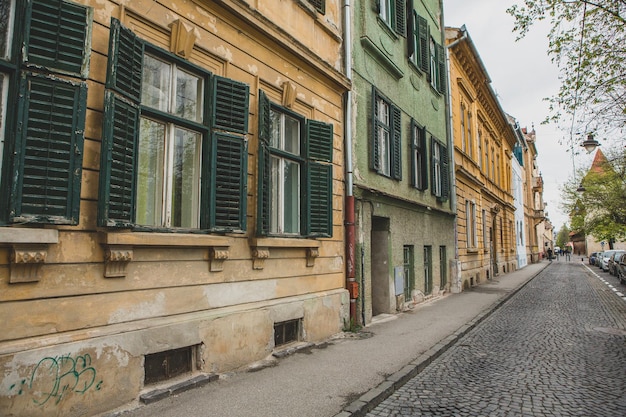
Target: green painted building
(401, 168)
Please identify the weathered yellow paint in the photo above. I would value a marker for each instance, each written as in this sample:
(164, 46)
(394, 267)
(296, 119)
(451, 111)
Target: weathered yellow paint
(169, 297)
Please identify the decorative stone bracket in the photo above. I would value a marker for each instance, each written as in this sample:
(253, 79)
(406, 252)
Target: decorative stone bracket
(119, 248)
(217, 257)
(259, 255)
(29, 251)
(311, 254)
(26, 261)
(116, 260)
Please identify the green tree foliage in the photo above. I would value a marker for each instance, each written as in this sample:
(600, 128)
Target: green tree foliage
(563, 236)
(596, 199)
(587, 41)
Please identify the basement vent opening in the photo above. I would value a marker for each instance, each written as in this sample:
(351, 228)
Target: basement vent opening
(166, 365)
(286, 332)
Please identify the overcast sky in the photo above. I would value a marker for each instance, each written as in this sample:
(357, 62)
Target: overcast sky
(522, 75)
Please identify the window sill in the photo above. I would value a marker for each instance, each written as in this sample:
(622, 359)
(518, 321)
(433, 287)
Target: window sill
(261, 249)
(29, 249)
(118, 248)
(381, 58)
(472, 250)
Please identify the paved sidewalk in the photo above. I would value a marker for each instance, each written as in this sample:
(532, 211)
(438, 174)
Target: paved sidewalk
(346, 375)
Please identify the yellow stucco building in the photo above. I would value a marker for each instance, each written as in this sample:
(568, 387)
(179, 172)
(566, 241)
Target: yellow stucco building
(172, 193)
(483, 142)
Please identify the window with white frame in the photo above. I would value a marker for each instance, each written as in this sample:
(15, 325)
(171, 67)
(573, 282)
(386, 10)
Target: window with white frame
(434, 68)
(7, 10)
(385, 155)
(485, 231)
(480, 149)
(439, 170)
(470, 213)
(419, 165)
(4, 92)
(295, 173)
(174, 151)
(170, 149)
(393, 13)
(463, 143)
(436, 162)
(383, 135)
(470, 142)
(286, 162)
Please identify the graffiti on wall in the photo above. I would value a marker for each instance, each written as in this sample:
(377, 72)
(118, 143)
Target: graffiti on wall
(56, 377)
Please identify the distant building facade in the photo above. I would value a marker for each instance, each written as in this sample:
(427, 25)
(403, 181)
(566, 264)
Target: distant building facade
(484, 142)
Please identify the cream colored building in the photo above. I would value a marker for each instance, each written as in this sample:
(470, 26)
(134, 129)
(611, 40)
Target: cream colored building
(172, 184)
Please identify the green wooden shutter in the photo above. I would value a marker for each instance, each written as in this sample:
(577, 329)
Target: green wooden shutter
(411, 30)
(424, 167)
(441, 62)
(320, 207)
(118, 158)
(229, 157)
(48, 150)
(374, 145)
(58, 36)
(396, 146)
(320, 141)
(230, 105)
(228, 185)
(445, 174)
(263, 180)
(422, 28)
(400, 17)
(125, 62)
(320, 5)
(319, 178)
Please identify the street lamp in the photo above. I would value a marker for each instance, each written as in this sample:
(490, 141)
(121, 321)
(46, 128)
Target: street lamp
(590, 144)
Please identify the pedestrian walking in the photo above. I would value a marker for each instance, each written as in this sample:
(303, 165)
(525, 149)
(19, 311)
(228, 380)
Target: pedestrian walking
(550, 253)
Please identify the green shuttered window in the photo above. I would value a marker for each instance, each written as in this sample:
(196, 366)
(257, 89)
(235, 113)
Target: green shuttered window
(295, 174)
(393, 13)
(419, 157)
(45, 158)
(440, 175)
(174, 152)
(386, 139)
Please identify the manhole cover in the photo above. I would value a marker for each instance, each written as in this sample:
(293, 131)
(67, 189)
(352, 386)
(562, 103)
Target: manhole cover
(610, 330)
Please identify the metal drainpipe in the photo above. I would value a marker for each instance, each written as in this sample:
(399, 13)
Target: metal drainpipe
(450, 139)
(351, 284)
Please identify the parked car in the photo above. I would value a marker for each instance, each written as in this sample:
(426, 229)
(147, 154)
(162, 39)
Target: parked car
(621, 268)
(598, 259)
(604, 259)
(592, 258)
(613, 261)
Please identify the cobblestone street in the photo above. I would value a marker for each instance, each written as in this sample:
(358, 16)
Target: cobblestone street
(556, 348)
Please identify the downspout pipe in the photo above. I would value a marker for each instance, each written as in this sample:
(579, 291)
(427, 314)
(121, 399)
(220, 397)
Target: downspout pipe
(350, 239)
(456, 285)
